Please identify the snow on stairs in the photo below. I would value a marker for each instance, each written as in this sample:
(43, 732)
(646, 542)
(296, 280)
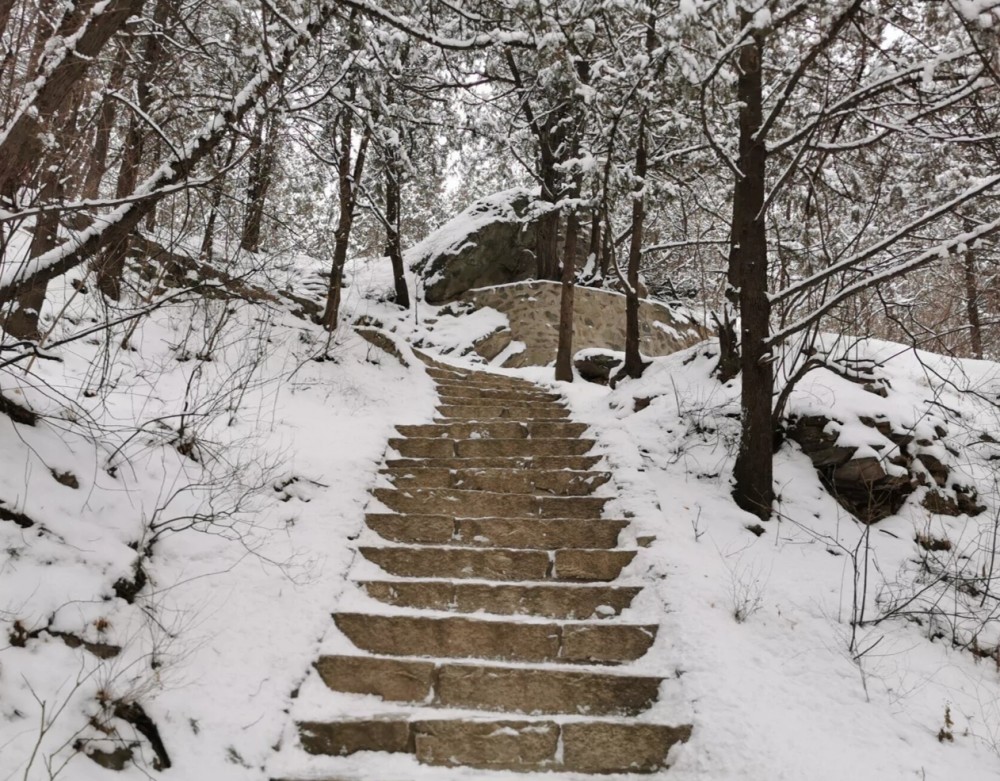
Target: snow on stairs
(491, 516)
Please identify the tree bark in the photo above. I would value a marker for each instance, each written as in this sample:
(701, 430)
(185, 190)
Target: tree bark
(548, 136)
(564, 352)
(98, 165)
(123, 220)
(972, 304)
(261, 166)
(215, 203)
(634, 365)
(393, 247)
(594, 248)
(753, 470)
(606, 250)
(5, 9)
(347, 180)
(547, 232)
(22, 320)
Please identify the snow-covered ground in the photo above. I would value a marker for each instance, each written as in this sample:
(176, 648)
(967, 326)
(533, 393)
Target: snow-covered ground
(761, 625)
(247, 550)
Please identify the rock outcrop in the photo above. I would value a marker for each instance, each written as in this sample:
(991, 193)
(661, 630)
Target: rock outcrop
(490, 243)
(874, 487)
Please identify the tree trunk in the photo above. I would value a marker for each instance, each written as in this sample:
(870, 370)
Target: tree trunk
(261, 166)
(111, 265)
(594, 248)
(331, 313)
(548, 137)
(215, 203)
(393, 248)
(347, 182)
(98, 165)
(547, 235)
(972, 304)
(150, 220)
(5, 9)
(634, 366)
(606, 250)
(753, 470)
(22, 320)
(564, 352)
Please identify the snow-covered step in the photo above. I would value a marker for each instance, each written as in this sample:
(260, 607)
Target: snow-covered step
(488, 394)
(519, 745)
(485, 504)
(494, 639)
(452, 375)
(528, 533)
(502, 411)
(500, 429)
(544, 600)
(436, 447)
(460, 637)
(507, 564)
(514, 689)
(557, 482)
(576, 463)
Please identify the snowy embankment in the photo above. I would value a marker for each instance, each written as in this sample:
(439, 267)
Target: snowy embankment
(217, 451)
(780, 683)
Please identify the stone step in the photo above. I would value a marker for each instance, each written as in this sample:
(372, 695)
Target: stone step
(488, 687)
(559, 482)
(490, 385)
(528, 533)
(500, 564)
(496, 530)
(575, 463)
(483, 504)
(481, 379)
(501, 429)
(524, 745)
(458, 637)
(502, 411)
(542, 600)
(437, 447)
(481, 394)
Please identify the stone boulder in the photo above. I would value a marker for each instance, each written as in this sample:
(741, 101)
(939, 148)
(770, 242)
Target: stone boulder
(596, 365)
(870, 488)
(862, 485)
(490, 243)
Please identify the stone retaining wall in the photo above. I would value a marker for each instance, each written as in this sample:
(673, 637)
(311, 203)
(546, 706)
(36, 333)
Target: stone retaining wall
(532, 309)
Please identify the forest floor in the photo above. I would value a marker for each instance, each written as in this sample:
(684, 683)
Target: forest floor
(234, 447)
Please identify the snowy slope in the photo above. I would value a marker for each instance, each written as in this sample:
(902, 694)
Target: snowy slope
(762, 625)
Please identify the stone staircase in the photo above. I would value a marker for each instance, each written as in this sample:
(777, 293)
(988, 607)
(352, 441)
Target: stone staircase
(500, 638)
